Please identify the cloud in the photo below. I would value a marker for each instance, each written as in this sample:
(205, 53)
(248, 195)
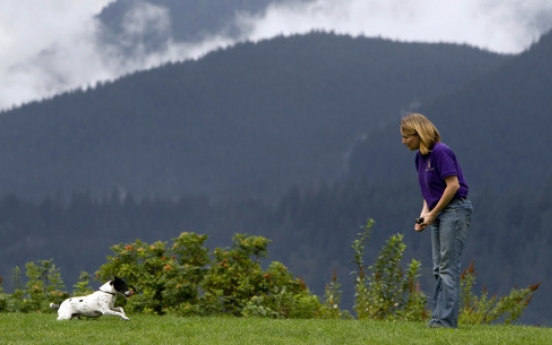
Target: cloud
(45, 44)
(132, 49)
(145, 17)
(500, 26)
(47, 47)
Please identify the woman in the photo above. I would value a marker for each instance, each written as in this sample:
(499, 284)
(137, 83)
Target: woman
(446, 211)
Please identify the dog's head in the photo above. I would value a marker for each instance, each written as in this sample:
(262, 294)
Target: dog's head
(121, 287)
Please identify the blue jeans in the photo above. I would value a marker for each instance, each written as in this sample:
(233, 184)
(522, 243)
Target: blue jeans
(448, 234)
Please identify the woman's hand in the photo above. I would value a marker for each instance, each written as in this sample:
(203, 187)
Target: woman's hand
(424, 220)
(420, 227)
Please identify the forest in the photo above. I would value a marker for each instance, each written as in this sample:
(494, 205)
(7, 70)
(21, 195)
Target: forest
(311, 232)
(295, 139)
(250, 120)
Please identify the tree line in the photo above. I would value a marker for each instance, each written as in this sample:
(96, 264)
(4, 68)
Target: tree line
(181, 278)
(250, 120)
(311, 231)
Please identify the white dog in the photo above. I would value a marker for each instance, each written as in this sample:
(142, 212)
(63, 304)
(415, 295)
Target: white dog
(101, 302)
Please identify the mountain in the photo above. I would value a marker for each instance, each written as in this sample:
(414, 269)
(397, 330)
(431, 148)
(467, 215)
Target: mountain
(311, 121)
(498, 124)
(250, 120)
(499, 127)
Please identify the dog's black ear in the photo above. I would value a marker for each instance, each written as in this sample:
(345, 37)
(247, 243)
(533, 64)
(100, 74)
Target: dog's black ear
(117, 280)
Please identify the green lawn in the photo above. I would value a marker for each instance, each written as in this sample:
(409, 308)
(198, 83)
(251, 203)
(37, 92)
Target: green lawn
(29, 329)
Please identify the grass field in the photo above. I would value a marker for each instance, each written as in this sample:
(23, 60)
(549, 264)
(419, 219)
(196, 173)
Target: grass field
(29, 329)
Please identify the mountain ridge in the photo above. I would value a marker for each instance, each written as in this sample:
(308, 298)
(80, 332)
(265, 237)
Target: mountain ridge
(252, 119)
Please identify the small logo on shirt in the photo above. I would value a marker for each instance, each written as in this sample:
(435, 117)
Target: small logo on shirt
(429, 167)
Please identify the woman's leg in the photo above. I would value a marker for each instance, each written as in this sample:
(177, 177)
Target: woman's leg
(448, 235)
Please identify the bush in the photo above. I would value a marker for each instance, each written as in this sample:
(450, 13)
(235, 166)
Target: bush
(3, 298)
(387, 293)
(282, 296)
(44, 285)
(177, 279)
(236, 284)
(484, 309)
(82, 288)
(166, 276)
(332, 299)
(180, 278)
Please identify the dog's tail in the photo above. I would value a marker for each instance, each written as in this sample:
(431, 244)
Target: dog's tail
(54, 306)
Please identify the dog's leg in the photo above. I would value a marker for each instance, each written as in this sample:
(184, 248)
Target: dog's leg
(118, 313)
(119, 309)
(64, 315)
(64, 311)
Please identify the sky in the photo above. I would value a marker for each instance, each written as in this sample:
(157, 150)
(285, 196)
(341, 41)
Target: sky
(49, 47)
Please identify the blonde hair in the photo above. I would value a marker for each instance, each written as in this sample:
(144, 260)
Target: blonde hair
(418, 124)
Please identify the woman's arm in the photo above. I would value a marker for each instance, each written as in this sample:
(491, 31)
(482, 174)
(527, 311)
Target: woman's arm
(425, 210)
(429, 216)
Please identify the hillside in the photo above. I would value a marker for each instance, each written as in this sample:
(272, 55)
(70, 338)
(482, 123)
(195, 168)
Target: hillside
(250, 120)
(253, 120)
(498, 124)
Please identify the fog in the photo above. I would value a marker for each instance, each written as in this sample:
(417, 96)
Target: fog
(48, 47)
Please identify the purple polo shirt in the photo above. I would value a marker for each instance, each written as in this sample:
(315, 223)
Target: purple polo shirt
(433, 168)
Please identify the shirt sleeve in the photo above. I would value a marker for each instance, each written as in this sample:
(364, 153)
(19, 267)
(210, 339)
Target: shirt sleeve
(446, 162)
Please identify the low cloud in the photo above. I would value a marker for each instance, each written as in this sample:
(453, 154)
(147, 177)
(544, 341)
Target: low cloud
(129, 50)
(48, 47)
(61, 47)
(505, 27)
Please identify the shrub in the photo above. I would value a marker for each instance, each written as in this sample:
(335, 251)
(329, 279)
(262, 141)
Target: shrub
(236, 275)
(44, 285)
(177, 279)
(282, 296)
(236, 284)
(3, 297)
(166, 276)
(387, 293)
(182, 279)
(82, 287)
(330, 309)
(484, 309)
